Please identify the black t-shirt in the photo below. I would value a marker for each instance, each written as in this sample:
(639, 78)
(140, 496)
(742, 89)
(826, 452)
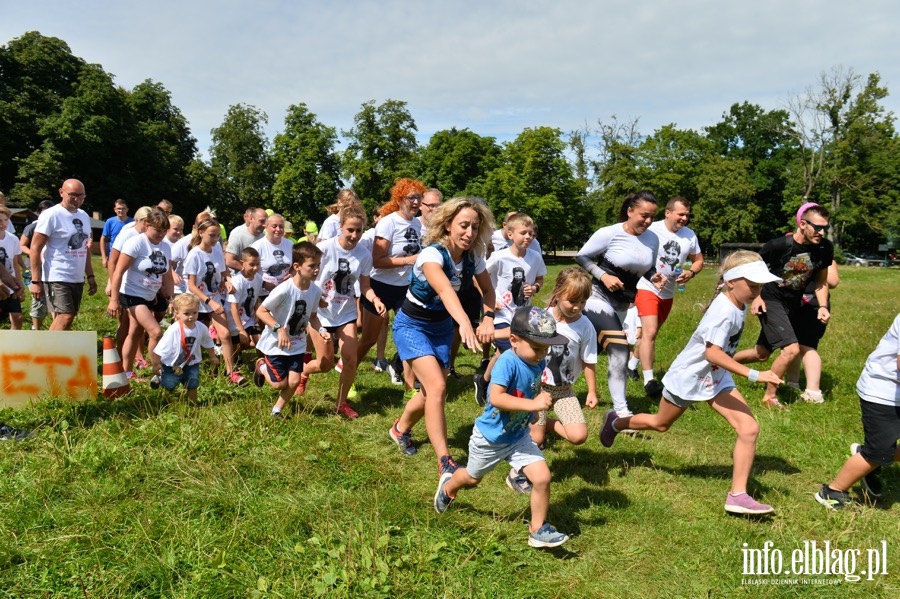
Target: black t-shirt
(796, 264)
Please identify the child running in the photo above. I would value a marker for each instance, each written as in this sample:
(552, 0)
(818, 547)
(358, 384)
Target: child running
(878, 388)
(179, 347)
(501, 432)
(285, 313)
(242, 302)
(517, 275)
(702, 372)
(344, 274)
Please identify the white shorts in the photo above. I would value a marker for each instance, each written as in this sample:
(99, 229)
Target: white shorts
(484, 456)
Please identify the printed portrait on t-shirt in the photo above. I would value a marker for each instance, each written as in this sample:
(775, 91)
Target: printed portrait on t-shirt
(517, 286)
(280, 265)
(733, 342)
(77, 240)
(184, 356)
(210, 278)
(343, 278)
(671, 254)
(412, 246)
(558, 362)
(4, 259)
(158, 264)
(297, 322)
(248, 304)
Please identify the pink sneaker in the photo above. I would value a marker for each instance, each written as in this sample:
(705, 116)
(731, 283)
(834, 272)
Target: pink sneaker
(140, 364)
(339, 366)
(301, 388)
(346, 411)
(744, 504)
(236, 377)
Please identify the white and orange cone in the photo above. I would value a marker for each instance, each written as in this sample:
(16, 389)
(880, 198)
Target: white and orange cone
(115, 383)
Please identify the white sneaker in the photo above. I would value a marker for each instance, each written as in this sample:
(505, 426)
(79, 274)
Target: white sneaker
(812, 396)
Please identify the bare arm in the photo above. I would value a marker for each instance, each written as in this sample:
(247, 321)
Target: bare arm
(716, 355)
(434, 274)
(502, 400)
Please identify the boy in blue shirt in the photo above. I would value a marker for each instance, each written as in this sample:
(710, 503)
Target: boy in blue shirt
(501, 432)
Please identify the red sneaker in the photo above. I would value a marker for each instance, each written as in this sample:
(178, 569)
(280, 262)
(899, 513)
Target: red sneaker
(301, 388)
(346, 411)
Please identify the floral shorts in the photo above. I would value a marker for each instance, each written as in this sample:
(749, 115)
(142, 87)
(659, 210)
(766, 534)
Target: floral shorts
(565, 405)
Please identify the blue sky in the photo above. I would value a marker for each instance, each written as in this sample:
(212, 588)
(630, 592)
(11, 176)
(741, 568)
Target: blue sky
(495, 67)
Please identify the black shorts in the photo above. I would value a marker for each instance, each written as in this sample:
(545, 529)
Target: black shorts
(392, 296)
(881, 425)
(777, 325)
(470, 298)
(132, 301)
(10, 305)
(279, 366)
(807, 326)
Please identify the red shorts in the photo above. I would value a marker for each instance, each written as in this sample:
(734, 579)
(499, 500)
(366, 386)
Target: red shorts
(650, 304)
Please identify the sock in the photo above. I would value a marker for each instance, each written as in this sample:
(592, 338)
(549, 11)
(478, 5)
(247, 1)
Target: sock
(648, 375)
(633, 362)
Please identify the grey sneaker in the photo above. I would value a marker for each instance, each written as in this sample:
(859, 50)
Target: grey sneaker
(833, 500)
(608, 432)
(870, 482)
(441, 500)
(403, 440)
(379, 365)
(547, 536)
(518, 482)
(481, 387)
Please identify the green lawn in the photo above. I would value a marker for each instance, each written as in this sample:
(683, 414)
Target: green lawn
(149, 496)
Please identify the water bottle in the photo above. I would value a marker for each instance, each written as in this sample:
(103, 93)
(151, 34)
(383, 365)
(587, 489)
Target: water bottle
(27, 276)
(676, 272)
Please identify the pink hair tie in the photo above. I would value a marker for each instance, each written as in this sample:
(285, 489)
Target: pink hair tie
(803, 209)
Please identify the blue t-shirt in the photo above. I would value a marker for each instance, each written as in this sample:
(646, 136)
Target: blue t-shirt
(112, 228)
(520, 380)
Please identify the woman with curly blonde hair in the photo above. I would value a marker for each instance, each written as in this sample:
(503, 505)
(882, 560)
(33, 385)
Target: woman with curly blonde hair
(453, 259)
(331, 227)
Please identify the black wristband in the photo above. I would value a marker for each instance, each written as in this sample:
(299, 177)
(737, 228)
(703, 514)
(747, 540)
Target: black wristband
(489, 314)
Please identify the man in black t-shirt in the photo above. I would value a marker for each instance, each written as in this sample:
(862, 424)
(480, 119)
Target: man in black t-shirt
(798, 259)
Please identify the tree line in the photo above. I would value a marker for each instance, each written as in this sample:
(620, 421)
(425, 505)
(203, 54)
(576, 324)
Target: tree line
(832, 143)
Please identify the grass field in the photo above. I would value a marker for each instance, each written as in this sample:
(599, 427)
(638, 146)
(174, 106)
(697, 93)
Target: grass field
(150, 496)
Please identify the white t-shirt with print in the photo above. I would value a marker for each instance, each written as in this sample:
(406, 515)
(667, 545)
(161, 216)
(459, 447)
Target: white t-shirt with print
(339, 279)
(170, 348)
(691, 376)
(179, 254)
(432, 254)
(150, 262)
(209, 268)
(566, 362)
(631, 324)
(246, 294)
(9, 249)
(509, 275)
(403, 238)
(292, 308)
(330, 228)
(66, 250)
(674, 249)
(127, 232)
(880, 382)
(274, 259)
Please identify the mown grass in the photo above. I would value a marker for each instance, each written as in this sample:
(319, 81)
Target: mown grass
(152, 496)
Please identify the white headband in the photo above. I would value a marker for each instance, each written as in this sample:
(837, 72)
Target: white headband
(755, 272)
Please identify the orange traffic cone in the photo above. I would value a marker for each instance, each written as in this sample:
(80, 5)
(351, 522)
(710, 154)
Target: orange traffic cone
(115, 383)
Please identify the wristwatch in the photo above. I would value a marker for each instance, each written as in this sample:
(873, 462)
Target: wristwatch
(276, 327)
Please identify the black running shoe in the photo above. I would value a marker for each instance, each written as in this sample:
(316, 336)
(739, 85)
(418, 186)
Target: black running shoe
(653, 388)
(481, 387)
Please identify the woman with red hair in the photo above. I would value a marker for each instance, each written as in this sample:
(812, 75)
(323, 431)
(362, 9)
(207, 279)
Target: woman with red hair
(394, 252)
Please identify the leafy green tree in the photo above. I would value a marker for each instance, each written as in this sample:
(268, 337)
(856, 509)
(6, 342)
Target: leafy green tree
(307, 167)
(724, 213)
(748, 132)
(457, 161)
(536, 178)
(382, 147)
(240, 160)
(36, 74)
(88, 138)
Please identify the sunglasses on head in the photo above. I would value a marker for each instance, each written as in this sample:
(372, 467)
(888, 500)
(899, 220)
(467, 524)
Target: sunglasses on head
(818, 228)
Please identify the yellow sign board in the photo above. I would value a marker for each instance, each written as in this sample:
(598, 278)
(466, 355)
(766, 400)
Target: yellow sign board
(56, 363)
